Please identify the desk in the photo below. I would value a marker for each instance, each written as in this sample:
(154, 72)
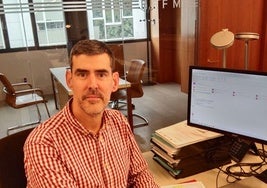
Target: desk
(64, 92)
(208, 178)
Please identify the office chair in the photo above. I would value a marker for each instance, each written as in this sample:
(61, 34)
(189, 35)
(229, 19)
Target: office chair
(12, 172)
(134, 76)
(21, 95)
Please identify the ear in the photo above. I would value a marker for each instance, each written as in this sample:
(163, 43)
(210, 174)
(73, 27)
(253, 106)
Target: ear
(68, 78)
(115, 86)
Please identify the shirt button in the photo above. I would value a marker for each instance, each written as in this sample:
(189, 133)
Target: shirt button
(101, 139)
(106, 166)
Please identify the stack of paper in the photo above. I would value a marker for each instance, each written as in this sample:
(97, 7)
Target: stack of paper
(179, 148)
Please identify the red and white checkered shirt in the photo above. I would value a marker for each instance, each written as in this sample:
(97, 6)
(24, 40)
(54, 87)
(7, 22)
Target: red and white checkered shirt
(62, 153)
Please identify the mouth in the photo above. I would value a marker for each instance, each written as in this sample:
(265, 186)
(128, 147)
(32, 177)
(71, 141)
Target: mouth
(92, 98)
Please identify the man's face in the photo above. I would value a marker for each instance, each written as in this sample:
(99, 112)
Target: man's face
(91, 81)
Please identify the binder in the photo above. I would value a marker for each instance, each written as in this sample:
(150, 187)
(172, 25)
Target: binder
(171, 162)
(174, 173)
(192, 165)
(164, 145)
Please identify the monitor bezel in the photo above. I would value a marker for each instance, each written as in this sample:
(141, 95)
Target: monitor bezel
(226, 133)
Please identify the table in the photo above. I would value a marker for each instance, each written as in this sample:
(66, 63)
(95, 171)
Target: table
(61, 88)
(208, 178)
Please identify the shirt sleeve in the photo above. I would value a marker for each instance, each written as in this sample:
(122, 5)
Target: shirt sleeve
(44, 167)
(139, 175)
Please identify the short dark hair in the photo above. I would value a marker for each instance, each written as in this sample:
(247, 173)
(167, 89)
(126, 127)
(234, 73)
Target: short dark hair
(91, 47)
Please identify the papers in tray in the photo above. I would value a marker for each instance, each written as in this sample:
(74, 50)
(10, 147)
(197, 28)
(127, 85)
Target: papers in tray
(180, 135)
(168, 148)
(182, 150)
(172, 161)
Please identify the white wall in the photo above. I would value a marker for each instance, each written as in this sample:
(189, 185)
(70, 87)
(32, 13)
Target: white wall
(34, 65)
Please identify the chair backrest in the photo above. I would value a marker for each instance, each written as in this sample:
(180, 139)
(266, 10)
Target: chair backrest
(134, 75)
(8, 88)
(12, 172)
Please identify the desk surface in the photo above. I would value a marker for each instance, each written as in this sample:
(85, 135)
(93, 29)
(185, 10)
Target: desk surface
(208, 178)
(60, 72)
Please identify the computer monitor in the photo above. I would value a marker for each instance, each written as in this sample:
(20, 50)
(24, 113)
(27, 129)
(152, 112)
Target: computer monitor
(232, 102)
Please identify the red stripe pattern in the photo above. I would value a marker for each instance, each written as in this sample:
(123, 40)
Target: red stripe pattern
(62, 153)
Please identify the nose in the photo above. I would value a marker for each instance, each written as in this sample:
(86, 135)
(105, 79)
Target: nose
(92, 82)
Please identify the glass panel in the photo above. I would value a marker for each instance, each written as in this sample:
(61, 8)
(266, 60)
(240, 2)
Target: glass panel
(127, 12)
(97, 14)
(127, 9)
(99, 30)
(118, 14)
(2, 40)
(96, 8)
(53, 15)
(108, 16)
(128, 27)
(117, 11)
(50, 24)
(114, 31)
(19, 35)
(139, 23)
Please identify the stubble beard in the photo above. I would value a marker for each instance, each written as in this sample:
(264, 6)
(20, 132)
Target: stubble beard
(92, 109)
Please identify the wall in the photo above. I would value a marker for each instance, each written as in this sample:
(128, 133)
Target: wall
(34, 65)
(237, 16)
(173, 40)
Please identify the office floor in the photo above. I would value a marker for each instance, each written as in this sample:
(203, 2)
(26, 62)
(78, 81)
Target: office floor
(162, 105)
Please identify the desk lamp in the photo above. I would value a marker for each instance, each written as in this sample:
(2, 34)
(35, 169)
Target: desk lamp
(222, 40)
(246, 37)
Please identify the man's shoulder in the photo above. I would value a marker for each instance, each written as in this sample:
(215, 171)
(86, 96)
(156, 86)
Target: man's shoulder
(45, 129)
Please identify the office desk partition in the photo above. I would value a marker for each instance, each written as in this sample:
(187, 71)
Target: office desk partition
(62, 93)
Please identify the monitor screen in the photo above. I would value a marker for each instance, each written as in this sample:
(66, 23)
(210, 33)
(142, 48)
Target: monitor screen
(228, 101)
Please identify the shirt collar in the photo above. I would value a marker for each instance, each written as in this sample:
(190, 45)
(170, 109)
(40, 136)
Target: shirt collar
(77, 125)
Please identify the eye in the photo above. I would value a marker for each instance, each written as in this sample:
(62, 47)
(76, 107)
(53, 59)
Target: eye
(102, 74)
(82, 75)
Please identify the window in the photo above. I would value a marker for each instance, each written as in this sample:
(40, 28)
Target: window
(19, 26)
(2, 40)
(41, 23)
(50, 22)
(111, 20)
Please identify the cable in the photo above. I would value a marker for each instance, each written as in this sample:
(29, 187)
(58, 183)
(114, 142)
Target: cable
(217, 177)
(229, 176)
(237, 170)
(262, 153)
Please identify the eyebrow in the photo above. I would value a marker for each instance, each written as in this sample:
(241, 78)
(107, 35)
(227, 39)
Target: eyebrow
(81, 70)
(98, 70)
(102, 70)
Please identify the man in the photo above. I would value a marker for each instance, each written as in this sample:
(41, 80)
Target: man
(86, 144)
